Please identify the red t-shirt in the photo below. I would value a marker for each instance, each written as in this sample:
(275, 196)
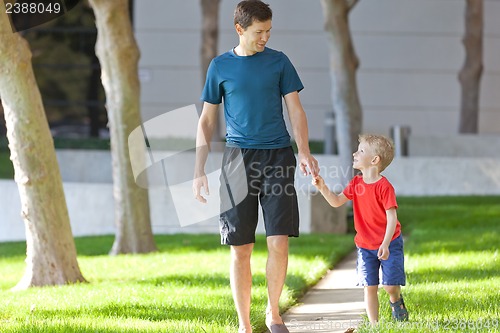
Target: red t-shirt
(370, 202)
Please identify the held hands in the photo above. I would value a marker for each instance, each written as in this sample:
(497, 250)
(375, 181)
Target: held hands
(318, 181)
(308, 164)
(199, 183)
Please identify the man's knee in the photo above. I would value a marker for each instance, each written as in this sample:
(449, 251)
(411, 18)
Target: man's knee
(277, 244)
(241, 252)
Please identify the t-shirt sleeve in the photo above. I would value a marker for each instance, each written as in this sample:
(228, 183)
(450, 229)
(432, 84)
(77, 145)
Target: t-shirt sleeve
(389, 197)
(289, 81)
(349, 190)
(212, 92)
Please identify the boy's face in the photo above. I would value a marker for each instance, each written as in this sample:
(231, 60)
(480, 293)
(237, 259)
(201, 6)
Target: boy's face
(255, 37)
(364, 158)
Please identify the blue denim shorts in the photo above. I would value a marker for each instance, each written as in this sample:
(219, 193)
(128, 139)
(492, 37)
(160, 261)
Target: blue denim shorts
(393, 269)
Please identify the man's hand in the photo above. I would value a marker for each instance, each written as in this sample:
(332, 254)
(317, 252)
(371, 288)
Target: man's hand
(383, 252)
(199, 183)
(308, 165)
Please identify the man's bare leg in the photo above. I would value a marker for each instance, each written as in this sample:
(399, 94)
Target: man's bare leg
(241, 283)
(277, 264)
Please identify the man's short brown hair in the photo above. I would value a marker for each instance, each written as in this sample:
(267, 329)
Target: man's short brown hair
(249, 11)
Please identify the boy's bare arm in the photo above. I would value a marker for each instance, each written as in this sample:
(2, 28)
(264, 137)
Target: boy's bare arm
(392, 219)
(335, 200)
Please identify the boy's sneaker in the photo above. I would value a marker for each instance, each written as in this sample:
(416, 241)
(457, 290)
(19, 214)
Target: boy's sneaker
(399, 311)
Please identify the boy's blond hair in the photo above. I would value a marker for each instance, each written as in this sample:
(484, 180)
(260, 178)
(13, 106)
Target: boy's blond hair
(382, 146)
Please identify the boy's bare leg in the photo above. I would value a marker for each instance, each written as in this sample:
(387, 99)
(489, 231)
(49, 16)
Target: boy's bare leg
(276, 268)
(241, 283)
(371, 303)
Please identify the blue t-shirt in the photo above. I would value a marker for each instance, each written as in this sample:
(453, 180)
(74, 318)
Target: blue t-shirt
(252, 88)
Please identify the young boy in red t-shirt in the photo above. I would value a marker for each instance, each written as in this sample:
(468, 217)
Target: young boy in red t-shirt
(378, 231)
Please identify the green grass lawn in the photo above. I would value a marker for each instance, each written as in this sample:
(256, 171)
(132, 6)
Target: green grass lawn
(182, 288)
(452, 265)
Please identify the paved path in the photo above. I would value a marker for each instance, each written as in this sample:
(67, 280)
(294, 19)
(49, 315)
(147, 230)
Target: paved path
(333, 305)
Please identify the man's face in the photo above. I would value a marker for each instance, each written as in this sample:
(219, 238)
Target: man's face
(255, 37)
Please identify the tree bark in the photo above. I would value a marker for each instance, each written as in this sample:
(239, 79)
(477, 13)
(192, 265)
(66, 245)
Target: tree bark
(209, 33)
(344, 93)
(118, 54)
(51, 253)
(209, 45)
(470, 75)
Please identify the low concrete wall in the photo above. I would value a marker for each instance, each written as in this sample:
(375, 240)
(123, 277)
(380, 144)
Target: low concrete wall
(85, 166)
(426, 176)
(90, 203)
(90, 208)
(454, 146)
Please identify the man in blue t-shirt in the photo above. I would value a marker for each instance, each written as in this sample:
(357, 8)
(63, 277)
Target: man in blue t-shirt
(252, 80)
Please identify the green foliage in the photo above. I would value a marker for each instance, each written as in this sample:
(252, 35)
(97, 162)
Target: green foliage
(316, 147)
(82, 143)
(7, 170)
(184, 287)
(62, 61)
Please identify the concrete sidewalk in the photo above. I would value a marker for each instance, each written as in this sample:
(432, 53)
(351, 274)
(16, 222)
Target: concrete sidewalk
(333, 305)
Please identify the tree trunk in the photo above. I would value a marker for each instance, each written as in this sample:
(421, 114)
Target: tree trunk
(93, 109)
(118, 54)
(51, 253)
(209, 43)
(209, 33)
(344, 94)
(470, 75)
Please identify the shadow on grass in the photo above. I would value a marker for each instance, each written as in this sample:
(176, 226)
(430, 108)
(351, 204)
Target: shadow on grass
(444, 275)
(218, 280)
(12, 249)
(76, 328)
(101, 245)
(307, 246)
(198, 316)
(296, 283)
(448, 303)
(448, 213)
(431, 241)
(85, 246)
(201, 280)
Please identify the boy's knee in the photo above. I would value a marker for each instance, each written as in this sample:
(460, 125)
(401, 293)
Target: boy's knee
(392, 290)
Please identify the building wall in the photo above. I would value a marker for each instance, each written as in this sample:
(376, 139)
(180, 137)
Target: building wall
(410, 53)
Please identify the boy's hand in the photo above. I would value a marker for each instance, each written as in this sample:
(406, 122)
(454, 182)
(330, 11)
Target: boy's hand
(383, 252)
(318, 181)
